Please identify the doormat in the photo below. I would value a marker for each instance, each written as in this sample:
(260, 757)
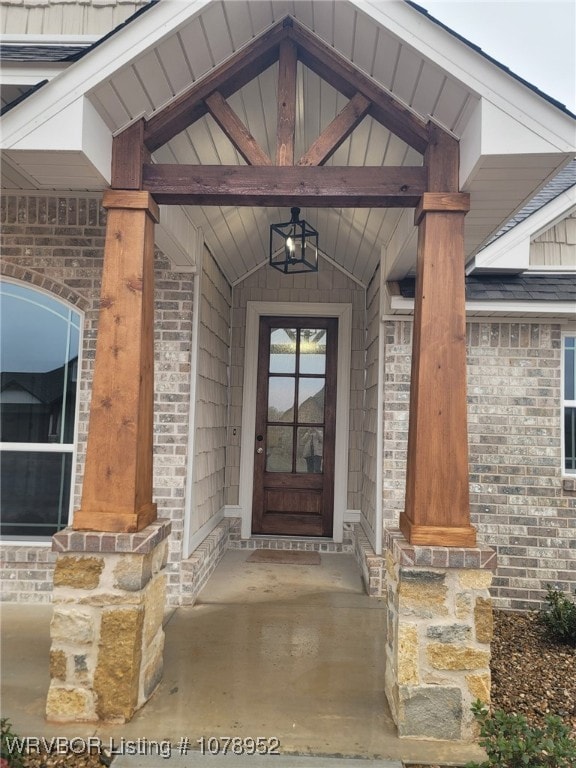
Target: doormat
(284, 557)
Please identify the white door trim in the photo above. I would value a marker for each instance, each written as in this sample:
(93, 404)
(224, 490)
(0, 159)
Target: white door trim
(255, 310)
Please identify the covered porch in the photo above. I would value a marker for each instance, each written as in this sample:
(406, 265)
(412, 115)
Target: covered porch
(402, 175)
(288, 651)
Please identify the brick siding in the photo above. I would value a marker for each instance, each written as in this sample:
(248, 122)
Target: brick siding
(56, 243)
(519, 501)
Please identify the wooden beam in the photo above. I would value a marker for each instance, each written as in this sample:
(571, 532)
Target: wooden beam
(236, 131)
(337, 132)
(318, 187)
(129, 154)
(240, 69)
(348, 79)
(286, 121)
(117, 485)
(437, 507)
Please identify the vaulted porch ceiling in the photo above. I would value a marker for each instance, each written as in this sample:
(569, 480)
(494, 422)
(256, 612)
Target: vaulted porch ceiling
(433, 74)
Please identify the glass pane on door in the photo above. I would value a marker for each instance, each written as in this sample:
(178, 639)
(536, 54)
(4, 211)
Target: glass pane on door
(283, 350)
(309, 449)
(279, 449)
(313, 350)
(281, 398)
(311, 400)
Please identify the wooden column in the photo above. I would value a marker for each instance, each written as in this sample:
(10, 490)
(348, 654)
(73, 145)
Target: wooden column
(437, 510)
(117, 487)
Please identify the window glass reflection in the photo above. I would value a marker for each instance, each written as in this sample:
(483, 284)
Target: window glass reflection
(311, 400)
(279, 449)
(35, 492)
(281, 398)
(39, 340)
(283, 350)
(309, 449)
(313, 350)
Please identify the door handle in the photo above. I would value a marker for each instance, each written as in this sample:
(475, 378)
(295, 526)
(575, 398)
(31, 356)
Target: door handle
(260, 450)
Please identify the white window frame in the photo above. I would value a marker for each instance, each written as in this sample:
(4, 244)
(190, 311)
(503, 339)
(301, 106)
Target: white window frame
(71, 448)
(567, 333)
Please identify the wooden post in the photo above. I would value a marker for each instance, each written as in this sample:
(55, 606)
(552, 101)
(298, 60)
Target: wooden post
(437, 510)
(117, 487)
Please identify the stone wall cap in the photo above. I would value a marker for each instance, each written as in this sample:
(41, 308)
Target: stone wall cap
(140, 543)
(480, 557)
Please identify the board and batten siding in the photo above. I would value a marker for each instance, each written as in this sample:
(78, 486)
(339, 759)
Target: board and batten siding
(65, 17)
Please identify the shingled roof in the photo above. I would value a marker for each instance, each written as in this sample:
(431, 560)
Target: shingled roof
(533, 287)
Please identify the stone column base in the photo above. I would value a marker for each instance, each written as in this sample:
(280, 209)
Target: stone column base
(439, 633)
(107, 637)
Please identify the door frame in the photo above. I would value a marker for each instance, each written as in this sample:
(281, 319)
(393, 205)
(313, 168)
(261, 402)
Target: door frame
(254, 311)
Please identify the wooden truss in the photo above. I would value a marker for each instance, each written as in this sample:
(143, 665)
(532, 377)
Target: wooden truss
(117, 490)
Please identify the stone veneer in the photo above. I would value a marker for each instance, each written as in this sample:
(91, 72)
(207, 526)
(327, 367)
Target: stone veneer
(438, 637)
(107, 637)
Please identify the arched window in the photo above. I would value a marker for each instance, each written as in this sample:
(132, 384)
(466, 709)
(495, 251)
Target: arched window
(39, 343)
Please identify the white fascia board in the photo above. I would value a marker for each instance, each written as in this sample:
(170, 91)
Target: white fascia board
(401, 306)
(48, 39)
(512, 250)
(476, 72)
(97, 66)
(23, 73)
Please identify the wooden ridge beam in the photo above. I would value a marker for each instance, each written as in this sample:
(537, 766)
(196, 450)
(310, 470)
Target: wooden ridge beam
(331, 66)
(337, 132)
(236, 131)
(227, 78)
(317, 187)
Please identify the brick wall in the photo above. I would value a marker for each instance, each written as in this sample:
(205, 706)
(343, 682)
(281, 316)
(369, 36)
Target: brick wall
(328, 285)
(519, 501)
(56, 243)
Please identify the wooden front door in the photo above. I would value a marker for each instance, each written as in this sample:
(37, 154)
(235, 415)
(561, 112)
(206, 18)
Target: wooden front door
(295, 426)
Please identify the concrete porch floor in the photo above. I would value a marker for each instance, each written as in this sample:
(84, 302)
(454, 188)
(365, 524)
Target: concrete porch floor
(288, 651)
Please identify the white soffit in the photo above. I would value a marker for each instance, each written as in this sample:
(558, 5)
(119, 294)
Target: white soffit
(511, 251)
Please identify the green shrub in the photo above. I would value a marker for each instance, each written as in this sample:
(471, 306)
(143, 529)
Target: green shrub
(510, 742)
(560, 617)
(8, 754)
